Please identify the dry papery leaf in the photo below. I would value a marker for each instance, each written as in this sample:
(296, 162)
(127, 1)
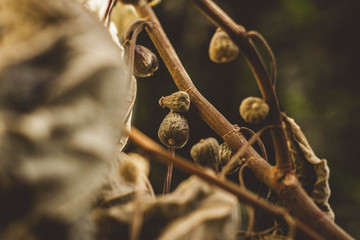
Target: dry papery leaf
(61, 107)
(195, 210)
(312, 172)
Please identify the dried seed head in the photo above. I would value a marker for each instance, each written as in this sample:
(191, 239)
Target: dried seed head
(254, 110)
(224, 153)
(206, 153)
(145, 62)
(174, 130)
(177, 102)
(133, 167)
(222, 49)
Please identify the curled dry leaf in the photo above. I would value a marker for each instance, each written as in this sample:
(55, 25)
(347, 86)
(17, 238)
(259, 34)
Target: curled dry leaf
(312, 172)
(61, 105)
(195, 210)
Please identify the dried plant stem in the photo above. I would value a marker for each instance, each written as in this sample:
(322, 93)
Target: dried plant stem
(270, 53)
(241, 38)
(169, 172)
(284, 183)
(155, 150)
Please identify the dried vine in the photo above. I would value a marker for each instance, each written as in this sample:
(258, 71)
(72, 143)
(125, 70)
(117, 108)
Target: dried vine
(280, 178)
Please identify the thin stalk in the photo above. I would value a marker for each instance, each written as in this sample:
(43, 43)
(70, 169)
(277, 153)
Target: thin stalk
(169, 172)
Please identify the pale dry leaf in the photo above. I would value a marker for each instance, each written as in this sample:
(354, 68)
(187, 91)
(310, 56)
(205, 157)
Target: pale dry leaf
(312, 172)
(195, 210)
(62, 94)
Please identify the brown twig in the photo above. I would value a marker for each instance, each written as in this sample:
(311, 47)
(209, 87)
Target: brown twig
(270, 53)
(158, 152)
(241, 151)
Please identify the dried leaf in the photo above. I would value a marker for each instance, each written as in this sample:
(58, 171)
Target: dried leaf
(195, 210)
(61, 107)
(312, 172)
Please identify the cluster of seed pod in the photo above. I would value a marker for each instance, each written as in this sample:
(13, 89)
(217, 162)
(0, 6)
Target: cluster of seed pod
(174, 129)
(209, 153)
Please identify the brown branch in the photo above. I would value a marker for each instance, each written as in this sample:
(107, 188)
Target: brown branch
(158, 152)
(182, 80)
(240, 37)
(284, 183)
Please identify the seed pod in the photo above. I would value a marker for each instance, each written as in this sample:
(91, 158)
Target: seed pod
(177, 102)
(254, 110)
(133, 167)
(174, 130)
(224, 153)
(206, 153)
(222, 49)
(145, 62)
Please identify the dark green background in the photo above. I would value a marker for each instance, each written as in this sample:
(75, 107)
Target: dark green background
(316, 44)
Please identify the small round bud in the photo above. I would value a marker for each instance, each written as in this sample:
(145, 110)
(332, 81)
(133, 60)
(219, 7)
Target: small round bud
(224, 153)
(206, 153)
(177, 102)
(174, 130)
(222, 49)
(133, 167)
(254, 110)
(145, 62)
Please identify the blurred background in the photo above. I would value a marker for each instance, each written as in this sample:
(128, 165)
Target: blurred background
(316, 44)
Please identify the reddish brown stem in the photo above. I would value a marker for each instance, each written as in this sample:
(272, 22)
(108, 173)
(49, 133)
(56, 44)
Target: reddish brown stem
(169, 172)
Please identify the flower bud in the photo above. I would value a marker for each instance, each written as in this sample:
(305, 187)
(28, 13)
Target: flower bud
(224, 153)
(254, 110)
(145, 62)
(222, 49)
(206, 153)
(177, 102)
(174, 130)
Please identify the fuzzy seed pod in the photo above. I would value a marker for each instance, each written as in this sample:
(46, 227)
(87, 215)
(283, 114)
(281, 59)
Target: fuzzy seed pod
(222, 49)
(133, 167)
(206, 153)
(174, 130)
(145, 62)
(224, 153)
(177, 102)
(254, 110)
